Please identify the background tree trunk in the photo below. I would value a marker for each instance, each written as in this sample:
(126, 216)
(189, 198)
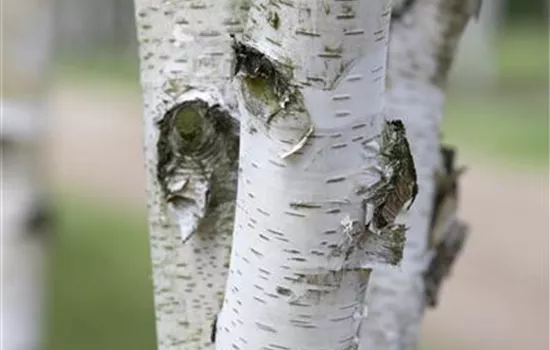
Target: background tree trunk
(26, 63)
(423, 40)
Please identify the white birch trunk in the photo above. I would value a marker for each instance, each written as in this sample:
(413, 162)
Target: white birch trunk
(423, 40)
(26, 62)
(191, 159)
(310, 95)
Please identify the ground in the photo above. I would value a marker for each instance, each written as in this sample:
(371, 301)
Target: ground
(496, 299)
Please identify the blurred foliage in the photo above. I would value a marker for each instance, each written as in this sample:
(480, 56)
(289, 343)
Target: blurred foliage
(534, 10)
(101, 291)
(509, 120)
(121, 70)
(522, 55)
(514, 128)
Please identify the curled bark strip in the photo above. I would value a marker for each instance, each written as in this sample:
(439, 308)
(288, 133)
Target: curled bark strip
(299, 145)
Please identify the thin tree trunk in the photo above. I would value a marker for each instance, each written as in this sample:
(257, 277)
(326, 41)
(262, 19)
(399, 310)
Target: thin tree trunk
(26, 63)
(322, 175)
(191, 147)
(423, 40)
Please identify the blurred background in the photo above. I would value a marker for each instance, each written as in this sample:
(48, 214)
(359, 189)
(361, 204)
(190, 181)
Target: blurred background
(74, 73)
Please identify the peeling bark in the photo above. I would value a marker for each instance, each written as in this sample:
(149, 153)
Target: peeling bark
(423, 38)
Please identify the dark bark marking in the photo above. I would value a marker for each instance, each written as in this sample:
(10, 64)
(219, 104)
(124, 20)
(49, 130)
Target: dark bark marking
(391, 194)
(447, 245)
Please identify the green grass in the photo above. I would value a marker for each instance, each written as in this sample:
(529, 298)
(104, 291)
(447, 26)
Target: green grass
(101, 292)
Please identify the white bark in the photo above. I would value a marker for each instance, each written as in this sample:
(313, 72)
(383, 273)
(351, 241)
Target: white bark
(422, 44)
(26, 58)
(191, 154)
(310, 95)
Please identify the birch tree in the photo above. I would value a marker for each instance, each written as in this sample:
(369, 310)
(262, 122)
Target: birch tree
(323, 173)
(424, 38)
(191, 147)
(25, 221)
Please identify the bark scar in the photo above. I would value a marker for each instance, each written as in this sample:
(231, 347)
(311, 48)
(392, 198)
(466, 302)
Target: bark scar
(194, 138)
(254, 63)
(268, 94)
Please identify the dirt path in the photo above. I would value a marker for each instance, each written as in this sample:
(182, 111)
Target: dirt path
(498, 296)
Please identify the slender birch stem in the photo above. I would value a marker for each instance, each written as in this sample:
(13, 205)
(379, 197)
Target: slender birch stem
(191, 158)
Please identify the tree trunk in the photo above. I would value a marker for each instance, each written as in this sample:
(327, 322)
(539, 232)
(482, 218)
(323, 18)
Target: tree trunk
(322, 175)
(191, 145)
(423, 41)
(26, 62)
